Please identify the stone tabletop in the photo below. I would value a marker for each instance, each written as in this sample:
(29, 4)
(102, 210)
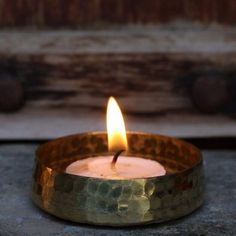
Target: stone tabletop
(18, 215)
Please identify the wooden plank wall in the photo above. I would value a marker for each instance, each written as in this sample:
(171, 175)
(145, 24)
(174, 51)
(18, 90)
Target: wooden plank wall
(171, 65)
(82, 13)
(164, 82)
(160, 68)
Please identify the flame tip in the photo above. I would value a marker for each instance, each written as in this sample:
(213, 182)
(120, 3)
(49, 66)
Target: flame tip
(117, 139)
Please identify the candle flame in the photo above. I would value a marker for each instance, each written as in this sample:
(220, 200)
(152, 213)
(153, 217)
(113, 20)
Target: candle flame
(117, 139)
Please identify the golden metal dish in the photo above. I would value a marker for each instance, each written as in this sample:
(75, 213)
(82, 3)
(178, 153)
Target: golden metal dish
(118, 202)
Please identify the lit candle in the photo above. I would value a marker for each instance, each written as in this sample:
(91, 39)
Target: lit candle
(117, 166)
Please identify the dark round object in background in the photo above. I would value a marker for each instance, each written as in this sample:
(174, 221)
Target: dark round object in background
(11, 93)
(210, 93)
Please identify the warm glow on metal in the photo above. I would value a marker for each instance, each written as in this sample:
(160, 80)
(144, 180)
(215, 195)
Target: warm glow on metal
(117, 139)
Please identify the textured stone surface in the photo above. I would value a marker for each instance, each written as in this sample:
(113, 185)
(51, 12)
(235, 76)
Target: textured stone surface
(18, 216)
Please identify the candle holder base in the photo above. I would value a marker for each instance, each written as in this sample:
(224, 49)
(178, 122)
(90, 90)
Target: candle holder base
(118, 202)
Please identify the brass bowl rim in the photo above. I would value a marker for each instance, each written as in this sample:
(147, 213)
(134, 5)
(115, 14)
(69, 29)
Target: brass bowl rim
(169, 175)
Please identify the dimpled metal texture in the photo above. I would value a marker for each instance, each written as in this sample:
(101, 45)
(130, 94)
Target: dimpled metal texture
(118, 202)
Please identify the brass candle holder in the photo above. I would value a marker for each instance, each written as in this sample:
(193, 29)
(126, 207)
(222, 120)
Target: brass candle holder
(118, 202)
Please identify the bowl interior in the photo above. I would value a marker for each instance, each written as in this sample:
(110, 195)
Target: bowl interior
(175, 155)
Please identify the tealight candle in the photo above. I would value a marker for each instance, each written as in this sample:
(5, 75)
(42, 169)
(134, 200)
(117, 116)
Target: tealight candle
(85, 179)
(116, 167)
(125, 168)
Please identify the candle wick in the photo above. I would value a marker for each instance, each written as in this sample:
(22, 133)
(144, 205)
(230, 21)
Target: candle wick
(115, 158)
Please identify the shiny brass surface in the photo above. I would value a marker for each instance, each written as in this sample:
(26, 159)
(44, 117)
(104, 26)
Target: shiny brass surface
(118, 202)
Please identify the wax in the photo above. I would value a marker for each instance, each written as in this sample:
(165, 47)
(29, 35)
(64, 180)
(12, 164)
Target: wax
(125, 168)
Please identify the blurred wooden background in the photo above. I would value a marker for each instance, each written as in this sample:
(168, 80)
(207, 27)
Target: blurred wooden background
(171, 65)
(78, 13)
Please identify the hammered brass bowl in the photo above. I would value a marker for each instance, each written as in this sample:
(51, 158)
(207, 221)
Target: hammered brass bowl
(118, 202)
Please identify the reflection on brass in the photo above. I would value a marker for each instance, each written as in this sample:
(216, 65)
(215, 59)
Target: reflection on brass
(118, 202)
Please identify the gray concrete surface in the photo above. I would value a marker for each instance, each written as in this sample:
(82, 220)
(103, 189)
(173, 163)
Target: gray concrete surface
(18, 216)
